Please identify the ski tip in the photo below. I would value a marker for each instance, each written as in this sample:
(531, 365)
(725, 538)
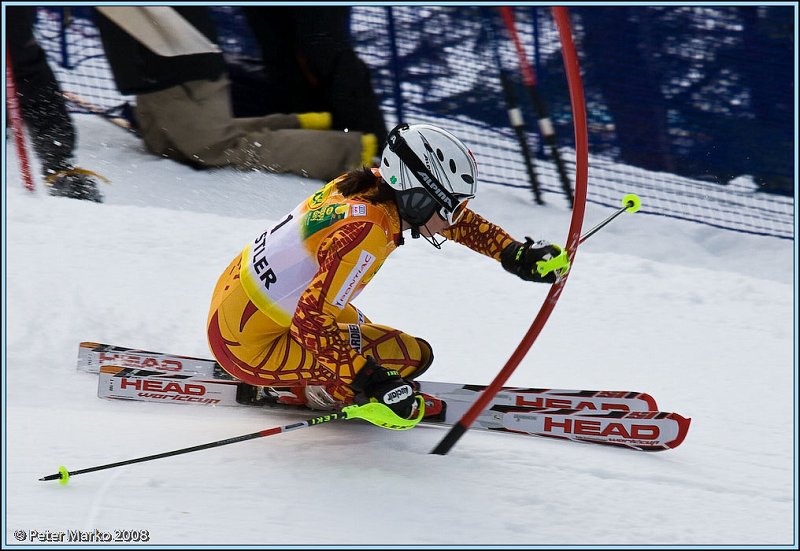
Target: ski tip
(651, 402)
(683, 429)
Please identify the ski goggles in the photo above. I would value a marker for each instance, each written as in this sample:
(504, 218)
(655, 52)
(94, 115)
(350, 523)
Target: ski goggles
(457, 214)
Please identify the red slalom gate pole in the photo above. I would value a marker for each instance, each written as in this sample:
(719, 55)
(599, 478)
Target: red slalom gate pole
(561, 16)
(15, 116)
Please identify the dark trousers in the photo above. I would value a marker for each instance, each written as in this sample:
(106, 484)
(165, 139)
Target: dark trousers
(43, 107)
(310, 65)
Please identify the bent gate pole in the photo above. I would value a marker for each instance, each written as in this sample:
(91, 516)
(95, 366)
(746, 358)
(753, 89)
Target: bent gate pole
(561, 16)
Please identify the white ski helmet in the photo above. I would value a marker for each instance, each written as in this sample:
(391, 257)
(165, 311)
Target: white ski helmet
(431, 170)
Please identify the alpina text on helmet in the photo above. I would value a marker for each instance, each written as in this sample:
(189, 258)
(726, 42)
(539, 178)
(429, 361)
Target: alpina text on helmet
(444, 198)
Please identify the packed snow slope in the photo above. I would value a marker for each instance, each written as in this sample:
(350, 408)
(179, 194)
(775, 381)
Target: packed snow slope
(703, 319)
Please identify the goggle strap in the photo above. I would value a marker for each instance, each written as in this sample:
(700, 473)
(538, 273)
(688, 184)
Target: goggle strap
(431, 184)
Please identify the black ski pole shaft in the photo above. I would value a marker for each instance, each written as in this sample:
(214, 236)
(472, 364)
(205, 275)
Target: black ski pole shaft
(630, 202)
(63, 474)
(515, 117)
(517, 123)
(545, 124)
(549, 138)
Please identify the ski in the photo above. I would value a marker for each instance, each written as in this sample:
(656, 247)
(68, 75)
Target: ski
(639, 430)
(616, 418)
(92, 357)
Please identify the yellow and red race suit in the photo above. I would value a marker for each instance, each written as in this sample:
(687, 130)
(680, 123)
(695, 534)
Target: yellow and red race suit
(281, 313)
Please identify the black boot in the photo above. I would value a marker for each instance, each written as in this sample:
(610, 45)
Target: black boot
(75, 183)
(374, 383)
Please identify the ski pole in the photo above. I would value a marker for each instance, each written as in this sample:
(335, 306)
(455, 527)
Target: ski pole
(375, 413)
(630, 203)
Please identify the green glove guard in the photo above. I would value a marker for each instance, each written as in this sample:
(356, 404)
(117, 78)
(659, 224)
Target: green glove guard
(383, 416)
(560, 262)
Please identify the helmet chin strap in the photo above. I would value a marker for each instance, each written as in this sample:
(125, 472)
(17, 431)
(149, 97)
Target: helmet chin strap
(430, 238)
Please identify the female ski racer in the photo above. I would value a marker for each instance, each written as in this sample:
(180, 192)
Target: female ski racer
(282, 315)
